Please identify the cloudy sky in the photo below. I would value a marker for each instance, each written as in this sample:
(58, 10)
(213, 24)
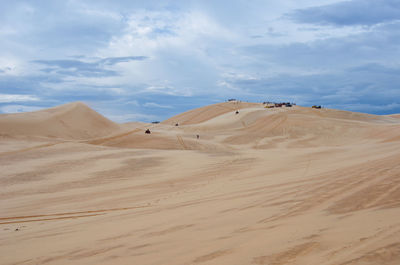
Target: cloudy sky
(148, 60)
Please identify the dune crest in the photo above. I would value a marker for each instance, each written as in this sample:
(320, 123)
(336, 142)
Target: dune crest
(73, 121)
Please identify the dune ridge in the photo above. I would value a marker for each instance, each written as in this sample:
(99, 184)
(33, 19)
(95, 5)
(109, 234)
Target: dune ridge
(75, 121)
(219, 127)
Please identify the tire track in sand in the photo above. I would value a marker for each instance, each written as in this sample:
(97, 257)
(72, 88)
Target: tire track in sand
(110, 138)
(30, 148)
(65, 215)
(180, 140)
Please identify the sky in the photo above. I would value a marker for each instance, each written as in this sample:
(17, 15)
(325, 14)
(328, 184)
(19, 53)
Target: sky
(149, 60)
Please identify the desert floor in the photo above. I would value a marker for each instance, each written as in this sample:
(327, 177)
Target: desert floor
(265, 186)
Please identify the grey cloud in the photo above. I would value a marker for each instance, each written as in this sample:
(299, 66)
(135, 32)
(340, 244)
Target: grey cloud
(5, 69)
(375, 69)
(115, 60)
(381, 46)
(356, 12)
(74, 68)
(350, 88)
(89, 69)
(67, 63)
(56, 26)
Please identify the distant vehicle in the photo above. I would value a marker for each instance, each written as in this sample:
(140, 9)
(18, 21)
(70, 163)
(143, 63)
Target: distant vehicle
(271, 105)
(237, 112)
(231, 99)
(316, 107)
(176, 124)
(155, 122)
(147, 131)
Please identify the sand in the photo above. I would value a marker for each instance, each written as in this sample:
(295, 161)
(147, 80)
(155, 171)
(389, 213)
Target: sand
(265, 186)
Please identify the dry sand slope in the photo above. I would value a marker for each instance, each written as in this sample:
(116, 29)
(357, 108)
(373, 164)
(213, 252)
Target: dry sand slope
(265, 186)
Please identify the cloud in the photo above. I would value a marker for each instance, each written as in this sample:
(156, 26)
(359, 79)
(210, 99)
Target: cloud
(155, 105)
(379, 45)
(18, 108)
(370, 88)
(186, 54)
(8, 98)
(349, 13)
(181, 45)
(375, 68)
(82, 68)
(115, 60)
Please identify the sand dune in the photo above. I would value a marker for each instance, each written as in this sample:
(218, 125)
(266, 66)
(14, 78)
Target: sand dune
(265, 186)
(70, 121)
(208, 112)
(220, 127)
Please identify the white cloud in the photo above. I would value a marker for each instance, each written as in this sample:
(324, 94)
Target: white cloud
(6, 30)
(18, 108)
(93, 11)
(155, 105)
(148, 31)
(180, 46)
(11, 65)
(8, 98)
